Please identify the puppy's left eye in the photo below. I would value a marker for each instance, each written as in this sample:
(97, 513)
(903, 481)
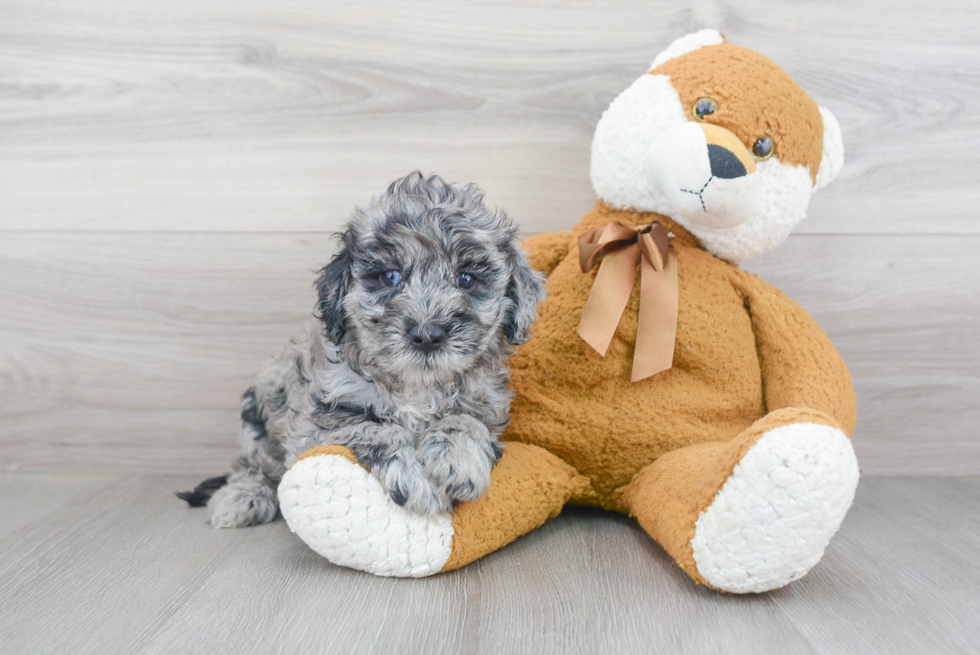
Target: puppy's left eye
(465, 281)
(391, 278)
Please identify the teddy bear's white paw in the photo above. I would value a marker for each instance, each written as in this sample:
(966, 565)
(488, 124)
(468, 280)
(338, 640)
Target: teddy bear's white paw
(773, 517)
(342, 512)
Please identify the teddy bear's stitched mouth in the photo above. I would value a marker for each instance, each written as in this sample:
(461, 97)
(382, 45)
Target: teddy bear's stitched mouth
(699, 193)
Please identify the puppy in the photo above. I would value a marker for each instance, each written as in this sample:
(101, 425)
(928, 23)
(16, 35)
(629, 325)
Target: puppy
(405, 363)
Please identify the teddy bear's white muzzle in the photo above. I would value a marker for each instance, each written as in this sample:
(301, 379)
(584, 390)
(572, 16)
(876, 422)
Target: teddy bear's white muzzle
(706, 182)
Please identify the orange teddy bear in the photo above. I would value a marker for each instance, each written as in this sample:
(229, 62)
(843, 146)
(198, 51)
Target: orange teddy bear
(662, 381)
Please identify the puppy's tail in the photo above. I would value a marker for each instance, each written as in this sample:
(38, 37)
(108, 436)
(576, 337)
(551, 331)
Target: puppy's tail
(200, 495)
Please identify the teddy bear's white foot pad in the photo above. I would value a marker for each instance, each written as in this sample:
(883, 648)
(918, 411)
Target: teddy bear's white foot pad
(774, 516)
(342, 512)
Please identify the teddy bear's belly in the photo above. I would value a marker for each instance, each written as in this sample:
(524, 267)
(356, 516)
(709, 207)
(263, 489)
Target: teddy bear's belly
(583, 407)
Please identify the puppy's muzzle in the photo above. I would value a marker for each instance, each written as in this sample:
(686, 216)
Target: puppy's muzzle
(705, 173)
(428, 338)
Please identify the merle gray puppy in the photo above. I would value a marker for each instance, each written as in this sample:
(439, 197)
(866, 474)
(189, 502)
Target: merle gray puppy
(406, 364)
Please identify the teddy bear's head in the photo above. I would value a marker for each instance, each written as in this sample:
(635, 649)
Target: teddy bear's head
(721, 140)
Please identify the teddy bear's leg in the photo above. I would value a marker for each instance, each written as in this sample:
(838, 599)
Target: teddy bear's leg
(341, 511)
(755, 513)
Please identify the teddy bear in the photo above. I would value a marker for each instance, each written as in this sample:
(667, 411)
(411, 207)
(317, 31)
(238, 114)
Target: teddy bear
(662, 381)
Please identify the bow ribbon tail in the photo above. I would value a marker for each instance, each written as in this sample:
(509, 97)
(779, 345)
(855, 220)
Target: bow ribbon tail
(621, 249)
(656, 327)
(608, 297)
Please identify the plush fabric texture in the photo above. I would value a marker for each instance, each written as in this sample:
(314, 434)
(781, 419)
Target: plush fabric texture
(528, 486)
(833, 150)
(329, 450)
(644, 159)
(735, 334)
(747, 360)
(622, 140)
(342, 512)
(669, 496)
(775, 514)
(737, 460)
(688, 43)
(750, 90)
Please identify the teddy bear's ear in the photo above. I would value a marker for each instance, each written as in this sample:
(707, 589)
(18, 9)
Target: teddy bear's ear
(687, 43)
(833, 150)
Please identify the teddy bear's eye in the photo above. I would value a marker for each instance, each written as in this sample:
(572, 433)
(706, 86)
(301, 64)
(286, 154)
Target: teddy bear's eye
(762, 148)
(704, 107)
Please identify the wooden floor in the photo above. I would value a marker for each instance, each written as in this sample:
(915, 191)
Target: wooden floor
(102, 564)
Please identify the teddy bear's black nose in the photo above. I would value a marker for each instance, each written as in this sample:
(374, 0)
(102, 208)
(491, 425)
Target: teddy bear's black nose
(724, 163)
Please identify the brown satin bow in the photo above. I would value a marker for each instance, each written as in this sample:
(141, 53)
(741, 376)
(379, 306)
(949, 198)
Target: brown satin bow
(622, 248)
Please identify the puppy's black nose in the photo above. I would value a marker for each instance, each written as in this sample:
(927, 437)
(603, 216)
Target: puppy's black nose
(428, 338)
(724, 163)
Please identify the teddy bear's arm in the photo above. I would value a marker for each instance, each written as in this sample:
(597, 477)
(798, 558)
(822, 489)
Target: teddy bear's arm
(800, 365)
(545, 251)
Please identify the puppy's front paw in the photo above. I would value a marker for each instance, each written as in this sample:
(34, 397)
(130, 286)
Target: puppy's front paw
(457, 454)
(404, 480)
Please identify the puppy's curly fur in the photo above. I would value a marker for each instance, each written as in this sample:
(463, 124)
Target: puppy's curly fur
(406, 364)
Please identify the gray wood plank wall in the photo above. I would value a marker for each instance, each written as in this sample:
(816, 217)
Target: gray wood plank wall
(170, 173)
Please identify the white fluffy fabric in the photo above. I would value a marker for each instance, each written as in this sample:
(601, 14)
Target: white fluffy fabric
(341, 511)
(771, 521)
(833, 150)
(622, 138)
(678, 167)
(686, 44)
(783, 193)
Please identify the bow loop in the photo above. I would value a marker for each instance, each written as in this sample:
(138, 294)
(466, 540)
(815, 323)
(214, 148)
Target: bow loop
(621, 249)
(655, 245)
(599, 240)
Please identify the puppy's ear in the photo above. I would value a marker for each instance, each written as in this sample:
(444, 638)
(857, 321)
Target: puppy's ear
(525, 292)
(331, 287)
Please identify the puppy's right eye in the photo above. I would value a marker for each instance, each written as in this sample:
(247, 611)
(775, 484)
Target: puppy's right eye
(391, 278)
